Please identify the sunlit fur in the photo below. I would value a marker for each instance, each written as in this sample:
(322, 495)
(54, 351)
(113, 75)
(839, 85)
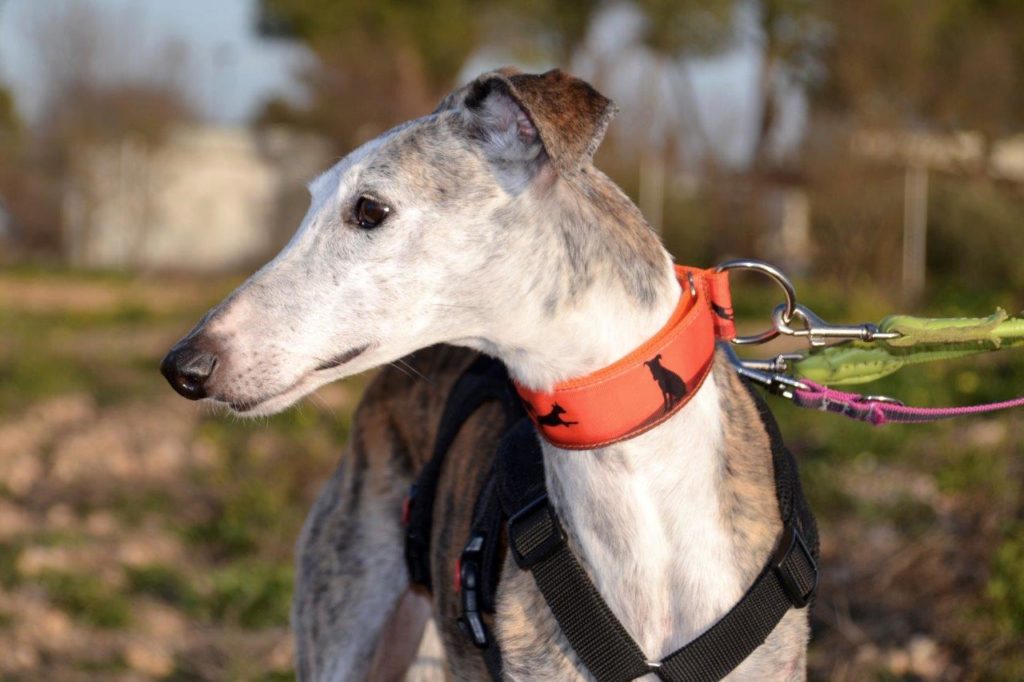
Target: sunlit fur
(490, 246)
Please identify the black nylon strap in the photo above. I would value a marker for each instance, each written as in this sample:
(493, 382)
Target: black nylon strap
(789, 580)
(492, 659)
(488, 521)
(538, 545)
(484, 380)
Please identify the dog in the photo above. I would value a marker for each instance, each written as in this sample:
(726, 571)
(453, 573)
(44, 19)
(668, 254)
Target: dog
(484, 227)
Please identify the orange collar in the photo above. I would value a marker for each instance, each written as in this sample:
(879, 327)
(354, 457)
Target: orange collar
(650, 384)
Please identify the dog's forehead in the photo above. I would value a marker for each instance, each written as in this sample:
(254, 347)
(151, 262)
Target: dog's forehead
(323, 186)
(420, 161)
(327, 183)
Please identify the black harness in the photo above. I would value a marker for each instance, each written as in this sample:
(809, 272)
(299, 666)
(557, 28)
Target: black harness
(514, 498)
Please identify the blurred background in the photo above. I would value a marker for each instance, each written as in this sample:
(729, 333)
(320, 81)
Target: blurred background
(152, 153)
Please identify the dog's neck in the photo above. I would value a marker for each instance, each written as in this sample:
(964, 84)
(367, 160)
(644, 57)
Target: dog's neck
(589, 335)
(593, 284)
(643, 514)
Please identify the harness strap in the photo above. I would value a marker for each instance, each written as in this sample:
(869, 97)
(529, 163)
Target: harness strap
(538, 545)
(484, 380)
(789, 580)
(477, 574)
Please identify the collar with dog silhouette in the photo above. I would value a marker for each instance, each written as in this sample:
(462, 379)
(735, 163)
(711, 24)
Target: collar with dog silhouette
(647, 386)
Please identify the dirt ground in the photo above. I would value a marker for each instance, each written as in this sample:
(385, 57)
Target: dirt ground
(143, 538)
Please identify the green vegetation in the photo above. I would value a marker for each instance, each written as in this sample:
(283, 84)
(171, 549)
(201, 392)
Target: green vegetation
(87, 597)
(1005, 589)
(251, 594)
(167, 584)
(9, 552)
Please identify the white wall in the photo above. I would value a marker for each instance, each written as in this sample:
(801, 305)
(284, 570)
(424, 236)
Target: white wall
(206, 199)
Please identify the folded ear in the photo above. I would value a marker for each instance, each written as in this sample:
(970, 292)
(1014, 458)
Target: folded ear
(455, 98)
(518, 114)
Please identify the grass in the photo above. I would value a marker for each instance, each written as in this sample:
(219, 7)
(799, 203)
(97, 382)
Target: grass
(87, 598)
(1005, 589)
(164, 583)
(240, 519)
(9, 552)
(251, 594)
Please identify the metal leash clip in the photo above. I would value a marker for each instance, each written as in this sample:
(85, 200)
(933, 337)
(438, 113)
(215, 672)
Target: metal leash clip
(818, 332)
(779, 364)
(774, 381)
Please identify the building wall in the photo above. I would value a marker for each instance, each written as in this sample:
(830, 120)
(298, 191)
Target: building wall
(206, 199)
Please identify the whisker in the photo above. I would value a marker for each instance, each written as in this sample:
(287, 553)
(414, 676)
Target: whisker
(401, 369)
(322, 404)
(415, 371)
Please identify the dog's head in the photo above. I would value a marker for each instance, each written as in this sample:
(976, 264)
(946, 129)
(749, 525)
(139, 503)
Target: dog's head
(429, 233)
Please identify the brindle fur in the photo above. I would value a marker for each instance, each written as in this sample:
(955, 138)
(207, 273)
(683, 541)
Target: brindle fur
(506, 239)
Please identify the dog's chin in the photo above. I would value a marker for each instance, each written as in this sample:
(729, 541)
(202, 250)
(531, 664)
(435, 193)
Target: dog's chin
(264, 407)
(278, 402)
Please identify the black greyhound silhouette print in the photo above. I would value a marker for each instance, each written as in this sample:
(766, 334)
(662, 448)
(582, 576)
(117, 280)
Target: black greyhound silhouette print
(552, 418)
(672, 386)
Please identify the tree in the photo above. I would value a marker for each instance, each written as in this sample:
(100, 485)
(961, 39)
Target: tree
(938, 64)
(380, 63)
(10, 124)
(791, 33)
(82, 107)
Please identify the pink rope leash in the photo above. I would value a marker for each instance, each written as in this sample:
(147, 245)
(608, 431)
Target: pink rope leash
(878, 411)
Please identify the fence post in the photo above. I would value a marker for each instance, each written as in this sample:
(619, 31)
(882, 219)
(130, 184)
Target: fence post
(915, 230)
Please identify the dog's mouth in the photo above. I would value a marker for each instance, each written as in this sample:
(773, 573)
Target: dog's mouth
(342, 358)
(243, 406)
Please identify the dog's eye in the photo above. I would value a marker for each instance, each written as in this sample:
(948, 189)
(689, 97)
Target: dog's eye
(370, 213)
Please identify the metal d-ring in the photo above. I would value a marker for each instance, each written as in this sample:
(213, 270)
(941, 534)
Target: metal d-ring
(787, 288)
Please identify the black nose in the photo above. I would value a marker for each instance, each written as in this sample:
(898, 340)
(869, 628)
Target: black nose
(187, 369)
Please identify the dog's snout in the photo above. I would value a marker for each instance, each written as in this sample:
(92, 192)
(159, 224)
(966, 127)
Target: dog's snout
(187, 370)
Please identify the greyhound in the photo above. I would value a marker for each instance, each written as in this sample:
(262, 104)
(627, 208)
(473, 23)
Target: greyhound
(484, 227)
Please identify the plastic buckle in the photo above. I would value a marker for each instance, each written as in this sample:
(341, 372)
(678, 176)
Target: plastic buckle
(787, 572)
(469, 582)
(534, 533)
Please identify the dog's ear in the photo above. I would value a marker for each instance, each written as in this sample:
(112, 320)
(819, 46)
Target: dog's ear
(520, 114)
(457, 97)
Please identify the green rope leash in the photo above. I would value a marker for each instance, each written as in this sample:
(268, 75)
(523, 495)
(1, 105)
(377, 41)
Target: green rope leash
(922, 340)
